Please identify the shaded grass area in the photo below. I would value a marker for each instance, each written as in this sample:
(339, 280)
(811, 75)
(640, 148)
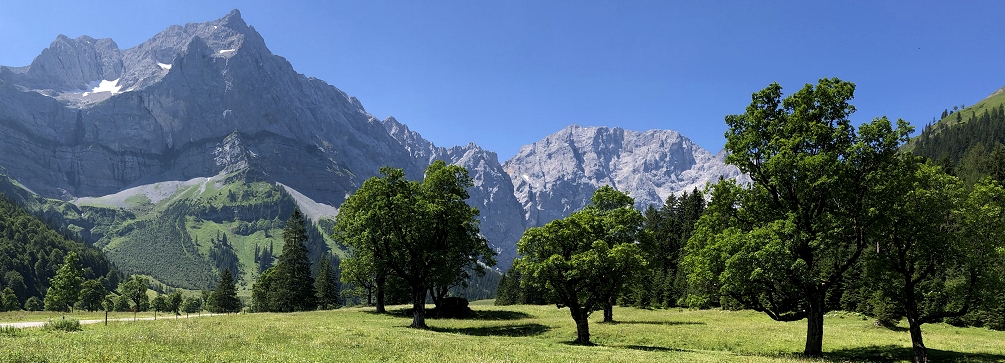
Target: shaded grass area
(493, 334)
(477, 314)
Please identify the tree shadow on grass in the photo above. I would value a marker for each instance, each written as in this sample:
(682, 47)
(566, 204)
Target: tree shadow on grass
(652, 348)
(474, 315)
(513, 330)
(616, 322)
(896, 353)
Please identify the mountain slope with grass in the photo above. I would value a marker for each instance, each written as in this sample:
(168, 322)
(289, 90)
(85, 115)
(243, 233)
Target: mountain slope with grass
(970, 142)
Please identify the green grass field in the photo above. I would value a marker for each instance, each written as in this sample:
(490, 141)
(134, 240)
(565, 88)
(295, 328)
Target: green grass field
(497, 334)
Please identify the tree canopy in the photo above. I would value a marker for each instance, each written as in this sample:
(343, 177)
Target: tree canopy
(779, 245)
(584, 259)
(224, 297)
(135, 290)
(64, 289)
(423, 233)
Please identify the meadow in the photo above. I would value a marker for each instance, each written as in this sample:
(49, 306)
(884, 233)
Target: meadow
(495, 334)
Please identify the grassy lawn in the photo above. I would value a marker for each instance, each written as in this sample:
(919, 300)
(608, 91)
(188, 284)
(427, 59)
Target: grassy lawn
(497, 334)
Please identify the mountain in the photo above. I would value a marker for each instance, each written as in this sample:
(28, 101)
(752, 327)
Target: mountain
(556, 176)
(183, 155)
(88, 119)
(492, 193)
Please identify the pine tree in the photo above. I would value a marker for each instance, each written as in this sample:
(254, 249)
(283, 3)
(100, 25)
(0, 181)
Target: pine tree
(326, 285)
(64, 288)
(224, 297)
(293, 287)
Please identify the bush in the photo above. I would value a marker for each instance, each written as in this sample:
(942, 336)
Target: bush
(33, 304)
(68, 325)
(886, 311)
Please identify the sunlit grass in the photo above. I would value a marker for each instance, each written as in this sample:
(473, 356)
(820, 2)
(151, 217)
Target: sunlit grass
(496, 334)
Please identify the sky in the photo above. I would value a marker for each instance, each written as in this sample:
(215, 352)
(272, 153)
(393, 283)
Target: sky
(504, 74)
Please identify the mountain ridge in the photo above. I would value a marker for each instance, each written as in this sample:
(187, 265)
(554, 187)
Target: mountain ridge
(208, 99)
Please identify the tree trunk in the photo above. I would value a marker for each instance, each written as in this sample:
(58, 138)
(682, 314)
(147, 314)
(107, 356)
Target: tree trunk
(419, 308)
(920, 352)
(433, 294)
(381, 279)
(582, 326)
(609, 311)
(815, 328)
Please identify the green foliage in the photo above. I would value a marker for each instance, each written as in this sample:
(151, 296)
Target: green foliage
(64, 289)
(971, 147)
(326, 285)
(223, 255)
(191, 305)
(10, 331)
(159, 304)
(424, 233)
(92, 295)
(260, 299)
(122, 303)
(668, 228)
(585, 259)
(512, 292)
(174, 301)
(135, 290)
(290, 286)
(200, 230)
(264, 258)
(67, 325)
(8, 300)
(224, 297)
(782, 244)
(478, 287)
(33, 304)
(159, 245)
(31, 252)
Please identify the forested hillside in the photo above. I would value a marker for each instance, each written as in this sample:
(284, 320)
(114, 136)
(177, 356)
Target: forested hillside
(968, 142)
(31, 252)
(184, 240)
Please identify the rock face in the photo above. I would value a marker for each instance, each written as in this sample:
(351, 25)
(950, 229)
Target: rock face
(556, 176)
(86, 119)
(492, 193)
(174, 99)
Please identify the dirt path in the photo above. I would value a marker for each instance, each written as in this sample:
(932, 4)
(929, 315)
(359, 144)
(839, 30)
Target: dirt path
(39, 324)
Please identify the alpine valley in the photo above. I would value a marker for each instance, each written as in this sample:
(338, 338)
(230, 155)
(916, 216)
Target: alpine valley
(185, 154)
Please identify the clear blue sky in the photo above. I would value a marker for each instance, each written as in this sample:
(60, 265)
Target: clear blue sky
(506, 73)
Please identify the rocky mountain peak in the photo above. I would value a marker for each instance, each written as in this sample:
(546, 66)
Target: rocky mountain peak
(73, 64)
(557, 175)
(234, 21)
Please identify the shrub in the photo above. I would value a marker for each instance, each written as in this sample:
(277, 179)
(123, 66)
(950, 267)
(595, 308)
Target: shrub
(67, 325)
(33, 304)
